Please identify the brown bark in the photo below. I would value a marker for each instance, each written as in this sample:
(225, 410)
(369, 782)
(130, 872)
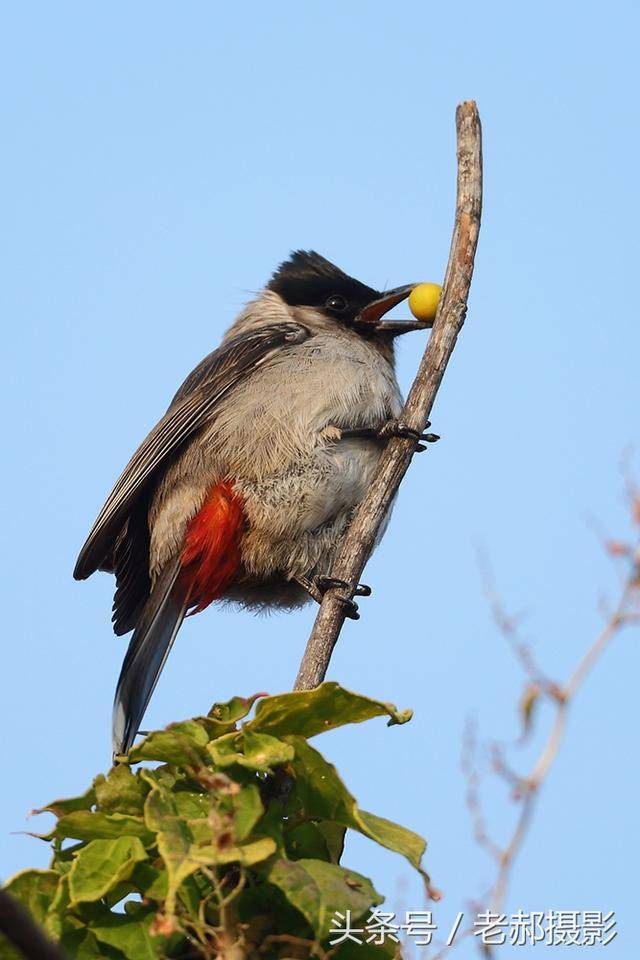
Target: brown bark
(395, 460)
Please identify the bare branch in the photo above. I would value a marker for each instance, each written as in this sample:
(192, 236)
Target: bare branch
(526, 788)
(509, 626)
(530, 785)
(472, 777)
(395, 459)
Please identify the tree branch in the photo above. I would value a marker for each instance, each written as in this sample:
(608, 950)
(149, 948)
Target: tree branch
(529, 789)
(394, 461)
(526, 788)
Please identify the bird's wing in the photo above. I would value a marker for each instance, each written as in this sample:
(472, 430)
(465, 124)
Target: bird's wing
(192, 408)
(148, 650)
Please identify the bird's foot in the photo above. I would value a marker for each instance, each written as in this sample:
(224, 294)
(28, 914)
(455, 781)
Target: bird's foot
(318, 586)
(398, 428)
(326, 583)
(392, 428)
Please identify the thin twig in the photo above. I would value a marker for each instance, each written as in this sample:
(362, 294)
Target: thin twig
(561, 696)
(395, 460)
(472, 776)
(530, 786)
(509, 626)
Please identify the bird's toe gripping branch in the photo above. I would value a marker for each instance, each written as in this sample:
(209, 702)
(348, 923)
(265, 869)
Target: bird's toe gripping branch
(397, 428)
(392, 428)
(318, 586)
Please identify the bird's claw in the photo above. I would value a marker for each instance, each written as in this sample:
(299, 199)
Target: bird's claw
(322, 584)
(363, 590)
(397, 428)
(351, 611)
(327, 583)
(427, 438)
(392, 428)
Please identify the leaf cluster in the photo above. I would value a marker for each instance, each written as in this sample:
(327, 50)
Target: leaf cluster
(216, 837)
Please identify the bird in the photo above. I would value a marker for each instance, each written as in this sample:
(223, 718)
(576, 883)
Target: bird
(244, 489)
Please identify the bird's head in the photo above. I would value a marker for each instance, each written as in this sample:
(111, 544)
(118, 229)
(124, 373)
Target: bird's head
(308, 280)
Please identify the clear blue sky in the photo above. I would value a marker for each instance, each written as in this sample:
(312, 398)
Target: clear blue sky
(158, 161)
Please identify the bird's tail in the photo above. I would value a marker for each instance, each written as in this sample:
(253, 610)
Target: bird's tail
(148, 650)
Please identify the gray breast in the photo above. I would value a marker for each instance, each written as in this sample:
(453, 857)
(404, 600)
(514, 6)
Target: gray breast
(272, 437)
(279, 414)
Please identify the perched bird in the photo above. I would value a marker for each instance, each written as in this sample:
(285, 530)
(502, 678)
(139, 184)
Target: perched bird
(244, 489)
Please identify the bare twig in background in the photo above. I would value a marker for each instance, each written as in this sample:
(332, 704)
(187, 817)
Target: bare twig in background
(509, 627)
(529, 786)
(472, 777)
(526, 788)
(395, 460)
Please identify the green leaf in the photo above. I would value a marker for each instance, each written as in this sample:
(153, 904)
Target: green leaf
(306, 841)
(83, 945)
(181, 854)
(60, 807)
(164, 776)
(247, 809)
(319, 840)
(334, 835)
(320, 790)
(120, 791)
(130, 935)
(85, 825)
(225, 750)
(307, 713)
(193, 891)
(245, 854)
(263, 910)
(394, 837)
(190, 805)
(262, 752)
(175, 841)
(324, 795)
(150, 881)
(181, 744)
(253, 751)
(35, 890)
(234, 815)
(318, 889)
(119, 892)
(57, 916)
(268, 802)
(63, 858)
(102, 865)
(233, 710)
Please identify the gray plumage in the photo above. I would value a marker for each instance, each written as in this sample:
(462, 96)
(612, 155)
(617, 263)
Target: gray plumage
(265, 412)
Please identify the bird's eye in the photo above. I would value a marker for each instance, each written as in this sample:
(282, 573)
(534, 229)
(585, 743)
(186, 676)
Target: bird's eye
(337, 303)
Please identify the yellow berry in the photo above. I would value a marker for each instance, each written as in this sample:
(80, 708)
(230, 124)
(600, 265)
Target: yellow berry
(424, 299)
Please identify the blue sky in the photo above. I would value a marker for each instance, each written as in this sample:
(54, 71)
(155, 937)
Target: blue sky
(159, 160)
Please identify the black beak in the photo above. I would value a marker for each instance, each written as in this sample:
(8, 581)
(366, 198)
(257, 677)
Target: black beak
(371, 316)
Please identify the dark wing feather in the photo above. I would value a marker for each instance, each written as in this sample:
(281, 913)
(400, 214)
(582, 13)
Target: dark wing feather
(192, 408)
(148, 649)
(130, 561)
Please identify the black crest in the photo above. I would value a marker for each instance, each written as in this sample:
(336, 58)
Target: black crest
(307, 279)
